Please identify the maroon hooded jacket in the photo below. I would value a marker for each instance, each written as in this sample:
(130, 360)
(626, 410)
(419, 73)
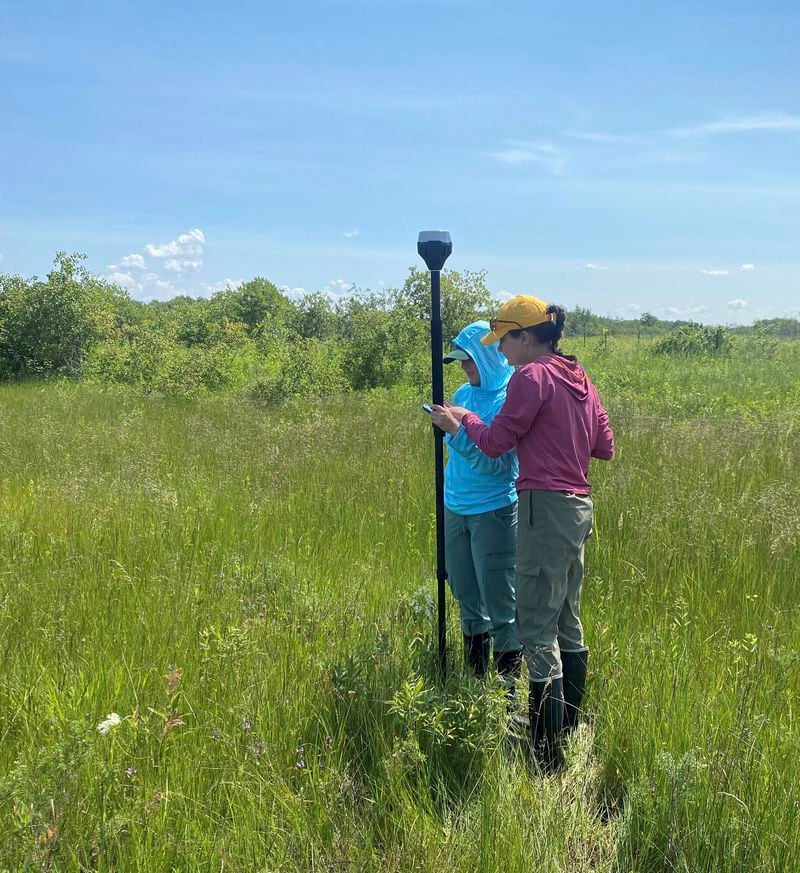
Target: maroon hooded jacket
(554, 417)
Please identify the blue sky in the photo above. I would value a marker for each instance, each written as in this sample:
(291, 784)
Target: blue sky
(621, 156)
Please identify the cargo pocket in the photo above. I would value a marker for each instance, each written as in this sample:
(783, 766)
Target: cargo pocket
(500, 561)
(531, 534)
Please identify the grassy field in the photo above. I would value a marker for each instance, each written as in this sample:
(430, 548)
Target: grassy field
(216, 638)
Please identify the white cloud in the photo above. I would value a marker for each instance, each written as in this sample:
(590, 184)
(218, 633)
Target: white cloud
(747, 267)
(148, 286)
(777, 122)
(136, 261)
(177, 257)
(292, 292)
(350, 234)
(224, 285)
(543, 153)
(599, 137)
(124, 280)
(180, 265)
(187, 245)
(715, 272)
(1, 257)
(681, 312)
(595, 267)
(337, 288)
(736, 304)
(180, 255)
(160, 289)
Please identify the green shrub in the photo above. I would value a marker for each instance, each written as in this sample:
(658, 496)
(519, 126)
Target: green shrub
(156, 363)
(305, 368)
(131, 360)
(695, 339)
(46, 328)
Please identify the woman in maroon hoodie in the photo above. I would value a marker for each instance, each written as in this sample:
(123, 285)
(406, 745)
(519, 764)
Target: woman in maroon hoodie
(553, 415)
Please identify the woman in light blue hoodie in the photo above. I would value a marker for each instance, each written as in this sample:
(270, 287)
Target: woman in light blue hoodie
(481, 513)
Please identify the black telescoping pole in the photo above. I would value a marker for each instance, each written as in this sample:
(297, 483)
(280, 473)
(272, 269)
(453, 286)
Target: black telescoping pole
(434, 246)
(437, 380)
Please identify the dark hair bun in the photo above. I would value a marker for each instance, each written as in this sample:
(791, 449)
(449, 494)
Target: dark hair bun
(558, 321)
(551, 331)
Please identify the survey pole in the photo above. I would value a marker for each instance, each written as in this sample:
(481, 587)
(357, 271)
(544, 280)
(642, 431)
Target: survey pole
(435, 247)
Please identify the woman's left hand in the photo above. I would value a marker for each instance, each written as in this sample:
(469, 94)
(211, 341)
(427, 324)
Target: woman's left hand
(447, 418)
(458, 412)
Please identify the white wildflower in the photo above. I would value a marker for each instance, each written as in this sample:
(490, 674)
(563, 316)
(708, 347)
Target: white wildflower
(108, 723)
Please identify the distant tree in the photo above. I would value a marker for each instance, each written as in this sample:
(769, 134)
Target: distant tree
(691, 338)
(582, 322)
(253, 303)
(379, 339)
(787, 328)
(47, 327)
(190, 321)
(315, 316)
(648, 320)
(465, 297)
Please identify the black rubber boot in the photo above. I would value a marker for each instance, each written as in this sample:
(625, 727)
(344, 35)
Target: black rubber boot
(476, 653)
(546, 716)
(509, 666)
(574, 664)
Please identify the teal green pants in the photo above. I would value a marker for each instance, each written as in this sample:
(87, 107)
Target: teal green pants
(480, 558)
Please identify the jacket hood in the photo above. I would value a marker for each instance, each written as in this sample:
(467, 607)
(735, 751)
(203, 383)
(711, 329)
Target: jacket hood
(568, 372)
(494, 369)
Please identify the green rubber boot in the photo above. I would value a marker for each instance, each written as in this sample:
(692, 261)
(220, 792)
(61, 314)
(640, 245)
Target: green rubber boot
(575, 665)
(546, 718)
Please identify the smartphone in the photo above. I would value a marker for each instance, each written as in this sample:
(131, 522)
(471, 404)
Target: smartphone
(426, 407)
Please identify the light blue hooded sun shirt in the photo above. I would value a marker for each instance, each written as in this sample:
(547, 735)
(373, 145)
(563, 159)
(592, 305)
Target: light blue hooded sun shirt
(473, 482)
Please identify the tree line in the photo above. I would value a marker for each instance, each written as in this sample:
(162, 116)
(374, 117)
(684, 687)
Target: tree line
(253, 338)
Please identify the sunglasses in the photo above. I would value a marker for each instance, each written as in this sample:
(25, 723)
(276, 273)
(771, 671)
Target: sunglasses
(493, 322)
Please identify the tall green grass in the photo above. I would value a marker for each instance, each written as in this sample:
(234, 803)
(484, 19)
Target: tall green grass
(250, 589)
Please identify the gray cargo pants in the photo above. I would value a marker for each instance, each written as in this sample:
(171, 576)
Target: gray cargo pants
(553, 527)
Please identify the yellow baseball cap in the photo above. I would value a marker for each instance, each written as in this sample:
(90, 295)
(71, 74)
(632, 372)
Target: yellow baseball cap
(521, 311)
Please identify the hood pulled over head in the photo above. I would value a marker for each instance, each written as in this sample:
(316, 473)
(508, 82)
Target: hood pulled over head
(494, 369)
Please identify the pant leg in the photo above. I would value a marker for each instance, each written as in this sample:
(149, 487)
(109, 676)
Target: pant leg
(539, 593)
(570, 627)
(552, 529)
(494, 538)
(461, 574)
